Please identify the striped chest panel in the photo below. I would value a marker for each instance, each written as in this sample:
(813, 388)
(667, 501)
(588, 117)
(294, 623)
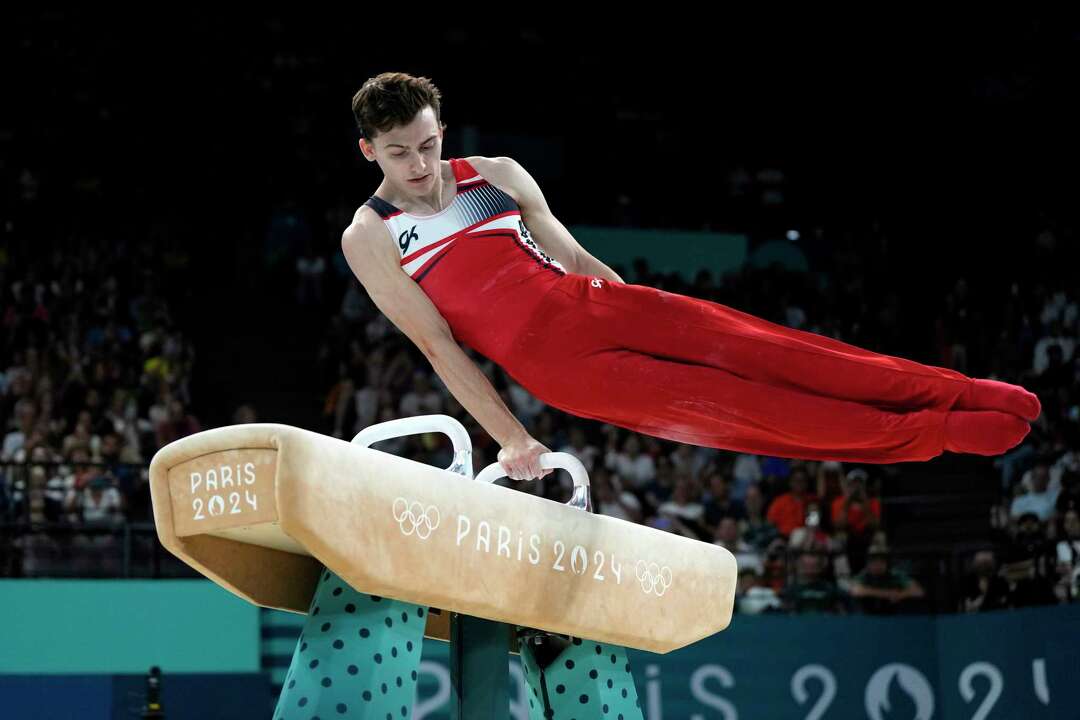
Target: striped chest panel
(478, 211)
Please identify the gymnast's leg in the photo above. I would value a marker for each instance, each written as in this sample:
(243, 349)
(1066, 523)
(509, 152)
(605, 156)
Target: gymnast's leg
(669, 325)
(708, 406)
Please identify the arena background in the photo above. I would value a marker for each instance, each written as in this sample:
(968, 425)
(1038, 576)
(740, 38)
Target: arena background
(174, 190)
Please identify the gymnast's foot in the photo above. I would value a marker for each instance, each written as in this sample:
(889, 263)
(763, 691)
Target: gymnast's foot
(993, 395)
(983, 432)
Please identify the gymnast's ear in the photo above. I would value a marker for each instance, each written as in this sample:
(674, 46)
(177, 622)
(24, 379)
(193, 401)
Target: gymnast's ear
(367, 149)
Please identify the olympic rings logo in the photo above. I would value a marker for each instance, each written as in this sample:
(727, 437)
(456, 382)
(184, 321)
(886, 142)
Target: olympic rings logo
(653, 578)
(415, 518)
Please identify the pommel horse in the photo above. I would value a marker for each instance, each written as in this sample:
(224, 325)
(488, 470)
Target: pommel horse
(380, 551)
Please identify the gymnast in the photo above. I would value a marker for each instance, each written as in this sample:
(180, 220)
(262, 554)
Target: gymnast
(467, 250)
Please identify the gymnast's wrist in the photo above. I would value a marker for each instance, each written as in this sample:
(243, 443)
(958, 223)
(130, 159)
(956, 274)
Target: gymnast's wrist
(515, 436)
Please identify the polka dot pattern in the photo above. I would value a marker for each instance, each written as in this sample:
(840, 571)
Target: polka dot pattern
(357, 657)
(587, 680)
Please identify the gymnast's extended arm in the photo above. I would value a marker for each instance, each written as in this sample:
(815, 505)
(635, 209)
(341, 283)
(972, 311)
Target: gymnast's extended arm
(376, 265)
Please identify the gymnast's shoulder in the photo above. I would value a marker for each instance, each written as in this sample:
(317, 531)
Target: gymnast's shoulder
(508, 175)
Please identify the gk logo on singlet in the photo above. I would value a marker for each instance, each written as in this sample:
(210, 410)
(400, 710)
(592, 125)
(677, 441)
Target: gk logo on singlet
(406, 238)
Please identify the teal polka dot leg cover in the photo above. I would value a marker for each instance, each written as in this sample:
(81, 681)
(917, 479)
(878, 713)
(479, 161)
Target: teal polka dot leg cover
(357, 657)
(587, 680)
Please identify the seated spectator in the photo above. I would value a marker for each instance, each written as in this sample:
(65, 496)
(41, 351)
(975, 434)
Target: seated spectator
(861, 513)
(1068, 558)
(177, 423)
(1041, 466)
(658, 491)
(776, 565)
(718, 501)
(523, 404)
(984, 589)
(580, 448)
(746, 555)
(811, 534)
(1039, 501)
(811, 591)
(1025, 564)
(634, 467)
(880, 589)
(25, 418)
(422, 399)
(686, 514)
(690, 459)
(1067, 462)
(752, 596)
(1069, 497)
(82, 437)
(788, 511)
(610, 498)
(99, 503)
(746, 471)
(829, 483)
(756, 530)
(1056, 341)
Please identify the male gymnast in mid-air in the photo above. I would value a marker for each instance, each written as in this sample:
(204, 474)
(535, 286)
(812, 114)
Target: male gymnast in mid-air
(467, 250)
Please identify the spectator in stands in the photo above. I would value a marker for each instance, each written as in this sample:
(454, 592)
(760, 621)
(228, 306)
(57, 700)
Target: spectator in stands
(776, 565)
(861, 514)
(829, 485)
(581, 448)
(753, 597)
(811, 591)
(756, 528)
(611, 499)
(984, 589)
(634, 467)
(25, 417)
(1056, 374)
(746, 471)
(1068, 558)
(727, 537)
(1026, 564)
(788, 511)
(880, 589)
(339, 400)
(855, 515)
(660, 490)
(525, 406)
(99, 503)
(811, 534)
(683, 510)
(421, 399)
(718, 501)
(1069, 498)
(310, 267)
(690, 459)
(1040, 500)
(1056, 337)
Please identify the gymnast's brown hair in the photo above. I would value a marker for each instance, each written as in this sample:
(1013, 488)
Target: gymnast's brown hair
(391, 99)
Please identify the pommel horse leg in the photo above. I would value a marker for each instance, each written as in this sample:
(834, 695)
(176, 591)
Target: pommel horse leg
(577, 678)
(358, 656)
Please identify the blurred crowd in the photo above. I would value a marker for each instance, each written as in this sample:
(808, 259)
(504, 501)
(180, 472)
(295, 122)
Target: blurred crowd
(95, 377)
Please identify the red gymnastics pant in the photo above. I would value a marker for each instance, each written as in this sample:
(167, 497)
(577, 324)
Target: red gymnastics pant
(699, 372)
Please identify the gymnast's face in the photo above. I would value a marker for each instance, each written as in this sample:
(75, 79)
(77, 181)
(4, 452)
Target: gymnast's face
(409, 154)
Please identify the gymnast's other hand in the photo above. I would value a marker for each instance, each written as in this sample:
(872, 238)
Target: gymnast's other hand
(520, 459)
